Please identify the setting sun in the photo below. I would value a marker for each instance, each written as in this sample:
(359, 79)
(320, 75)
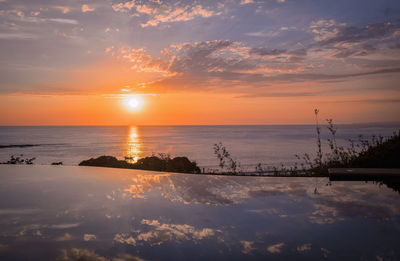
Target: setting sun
(134, 102)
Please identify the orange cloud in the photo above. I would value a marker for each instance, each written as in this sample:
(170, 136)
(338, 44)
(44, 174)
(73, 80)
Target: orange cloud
(160, 12)
(86, 8)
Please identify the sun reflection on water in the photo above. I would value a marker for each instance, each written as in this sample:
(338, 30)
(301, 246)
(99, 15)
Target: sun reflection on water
(133, 145)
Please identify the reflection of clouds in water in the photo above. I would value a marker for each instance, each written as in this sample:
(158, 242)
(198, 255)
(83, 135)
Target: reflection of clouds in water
(269, 211)
(276, 248)
(247, 246)
(78, 254)
(304, 248)
(89, 237)
(167, 232)
(127, 257)
(162, 232)
(110, 216)
(65, 237)
(65, 226)
(148, 210)
(324, 215)
(333, 203)
(3, 247)
(29, 229)
(208, 189)
(146, 183)
(325, 252)
(45, 231)
(34, 228)
(184, 231)
(341, 203)
(22, 211)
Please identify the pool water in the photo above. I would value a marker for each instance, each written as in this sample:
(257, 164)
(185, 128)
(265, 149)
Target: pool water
(89, 213)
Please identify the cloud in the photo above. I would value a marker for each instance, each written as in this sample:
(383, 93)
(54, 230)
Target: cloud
(166, 232)
(64, 226)
(89, 237)
(86, 8)
(63, 20)
(304, 248)
(123, 7)
(230, 60)
(325, 29)
(3, 247)
(225, 63)
(342, 41)
(201, 57)
(63, 9)
(80, 254)
(159, 233)
(385, 100)
(17, 36)
(75, 254)
(276, 248)
(245, 2)
(328, 77)
(277, 94)
(65, 237)
(127, 257)
(15, 15)
(125, 239)
(331, 210)
(157, 12)
(264, 34)
(247, 246)
(143, 62)
(264, 51)
(289, 56)
(185, 13)
(354, 51)
(186, 58)
(351, 34)
(325, 252)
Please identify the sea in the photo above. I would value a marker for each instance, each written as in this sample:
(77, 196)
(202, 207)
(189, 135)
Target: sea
(249, 145)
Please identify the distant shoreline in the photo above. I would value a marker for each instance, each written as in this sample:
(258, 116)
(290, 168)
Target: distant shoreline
(27, 145)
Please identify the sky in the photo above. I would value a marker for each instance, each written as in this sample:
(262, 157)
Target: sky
(199, 62)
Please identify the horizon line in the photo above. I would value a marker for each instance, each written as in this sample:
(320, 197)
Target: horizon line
(199, 125)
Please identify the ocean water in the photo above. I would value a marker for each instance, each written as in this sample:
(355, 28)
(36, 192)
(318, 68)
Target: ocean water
(270, 145)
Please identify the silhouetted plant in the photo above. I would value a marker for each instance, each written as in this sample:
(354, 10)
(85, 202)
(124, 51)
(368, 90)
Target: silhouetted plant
(332, 142)
(259, 169)
(377, 152)
(319, 153)
(221, 153)
(225, 159)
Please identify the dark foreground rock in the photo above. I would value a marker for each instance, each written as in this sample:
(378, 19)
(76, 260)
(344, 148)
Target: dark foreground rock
(177, 164)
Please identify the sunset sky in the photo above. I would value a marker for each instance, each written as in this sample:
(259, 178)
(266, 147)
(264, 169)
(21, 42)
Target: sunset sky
(198, 62)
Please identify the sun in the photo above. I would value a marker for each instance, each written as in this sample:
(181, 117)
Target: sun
(134, 102)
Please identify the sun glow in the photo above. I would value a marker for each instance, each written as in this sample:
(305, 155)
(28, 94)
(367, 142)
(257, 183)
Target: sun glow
(134, 102)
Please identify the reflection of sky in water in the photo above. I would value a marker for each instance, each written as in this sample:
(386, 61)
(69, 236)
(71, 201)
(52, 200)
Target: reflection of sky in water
(49, 212)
